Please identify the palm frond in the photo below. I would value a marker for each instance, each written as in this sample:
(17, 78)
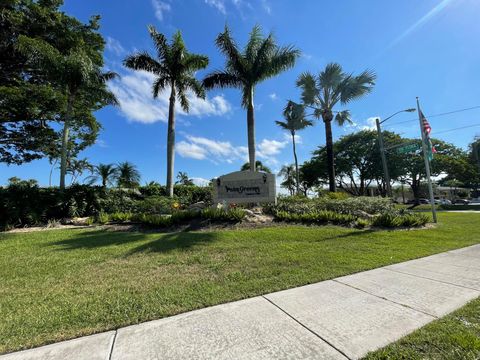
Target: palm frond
(310, 92)
(182, 97)
(195, 62)
(229, 48)
(196, 86)
(254, 43)
(159, 84)
(160, 42)
(221, 79)
(143, 61)
(354, 87)
(39, 52)
(343, 117)
(331, 76)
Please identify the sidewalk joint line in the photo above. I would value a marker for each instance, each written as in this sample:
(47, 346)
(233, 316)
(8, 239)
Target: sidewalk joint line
(307, 328)
(386, 299)
(427, 278)
(113, 344)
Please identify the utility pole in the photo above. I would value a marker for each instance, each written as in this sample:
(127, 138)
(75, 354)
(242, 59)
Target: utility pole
(384, 158)
(427, 163)
(386, 175)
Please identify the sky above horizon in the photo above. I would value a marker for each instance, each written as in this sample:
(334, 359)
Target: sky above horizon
(425, 49)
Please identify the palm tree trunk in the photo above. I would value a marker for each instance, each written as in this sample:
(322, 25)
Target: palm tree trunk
(171, 142)
(330, 156)
(251, 131)
(64, 150)
(297, 174)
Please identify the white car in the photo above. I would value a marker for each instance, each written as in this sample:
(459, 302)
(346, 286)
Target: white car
(443, 202)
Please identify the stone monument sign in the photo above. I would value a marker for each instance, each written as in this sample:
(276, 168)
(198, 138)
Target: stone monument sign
(245, 187)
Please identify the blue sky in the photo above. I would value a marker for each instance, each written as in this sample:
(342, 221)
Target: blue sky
(422, 48)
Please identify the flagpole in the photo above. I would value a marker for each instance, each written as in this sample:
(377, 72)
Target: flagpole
(427, 164)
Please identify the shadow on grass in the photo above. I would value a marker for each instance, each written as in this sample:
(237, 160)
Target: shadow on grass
(163, 243)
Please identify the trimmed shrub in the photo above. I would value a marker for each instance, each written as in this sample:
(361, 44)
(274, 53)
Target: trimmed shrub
(391, 220)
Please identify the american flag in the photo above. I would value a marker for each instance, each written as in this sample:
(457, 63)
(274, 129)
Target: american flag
(427, 129)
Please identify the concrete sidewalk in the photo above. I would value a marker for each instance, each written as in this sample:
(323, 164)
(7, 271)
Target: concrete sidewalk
(342, 318)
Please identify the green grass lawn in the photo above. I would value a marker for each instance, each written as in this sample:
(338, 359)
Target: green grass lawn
(456, 336)
(61, 284)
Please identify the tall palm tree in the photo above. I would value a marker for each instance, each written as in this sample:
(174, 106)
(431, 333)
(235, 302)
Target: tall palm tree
(259, 166)
(128, 175)
(105, 173)
(261, 59)
(174, 69)
(75, 72)
(323, 92)
(295, 120)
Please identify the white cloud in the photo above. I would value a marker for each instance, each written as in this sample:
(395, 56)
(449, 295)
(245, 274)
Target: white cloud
(273, 96)
(201, 148)
(114, 46)
(267, 7)
(101, 143)
(200, 181)
(133, 91)
(160, 8)
(371, 123)
(218, 4)
(241, 6)
(268, 148)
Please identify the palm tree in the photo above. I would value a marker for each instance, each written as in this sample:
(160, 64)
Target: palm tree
(259, 166)
(324, 92)
(174, 69)
(295, 120)
(261, 59)
(77, 167)
(183, 179)
(127, 175)
(105, 173)
(75, 73)
(290, 180)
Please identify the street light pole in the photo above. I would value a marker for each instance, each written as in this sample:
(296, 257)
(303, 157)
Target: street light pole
(382, 150)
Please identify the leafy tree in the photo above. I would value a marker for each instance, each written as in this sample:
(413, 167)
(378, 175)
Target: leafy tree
(76, 73)
(290, 179)
(105, 173)
(174, 69)
(183, 179)
(412, 166)
(259, 166)
(128, 175)
(261, 59)
(323, 92)
(30, 99)
(295, 120)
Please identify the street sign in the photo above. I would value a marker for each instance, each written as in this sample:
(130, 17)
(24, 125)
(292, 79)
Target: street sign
(410, 148)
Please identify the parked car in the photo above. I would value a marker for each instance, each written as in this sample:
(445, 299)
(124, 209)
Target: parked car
(420, 201)
(443, 202)
(461, 202)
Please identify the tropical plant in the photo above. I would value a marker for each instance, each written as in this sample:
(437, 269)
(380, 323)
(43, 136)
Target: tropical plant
(261, 59)
(76, 168)
(295, 120)
(289, 178)
(128, 175)
(105, 173)
(323, 92)
(174, 69)
(259, 166)
(76, 73)
(183, 179)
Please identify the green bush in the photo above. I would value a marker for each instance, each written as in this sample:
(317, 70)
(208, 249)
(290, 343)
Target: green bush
(316, 217)
(391, 220)
(351, 205)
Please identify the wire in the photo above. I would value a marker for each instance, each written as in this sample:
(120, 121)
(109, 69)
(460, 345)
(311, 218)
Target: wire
(458, 128)
(437, 115)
